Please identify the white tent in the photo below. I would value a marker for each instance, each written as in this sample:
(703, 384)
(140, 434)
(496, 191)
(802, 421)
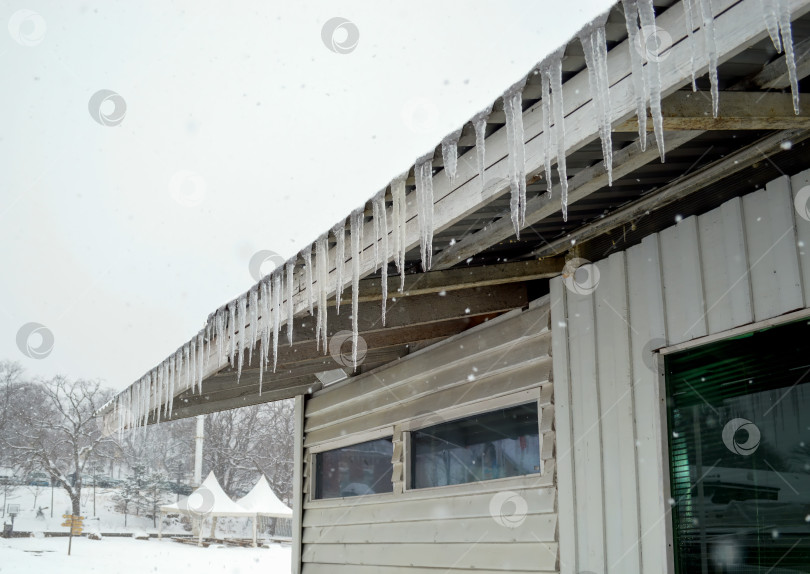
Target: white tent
(263, 501)
(207, 500)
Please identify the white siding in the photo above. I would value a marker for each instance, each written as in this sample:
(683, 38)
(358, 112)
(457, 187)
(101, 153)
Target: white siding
(742, 262)
(447, 528)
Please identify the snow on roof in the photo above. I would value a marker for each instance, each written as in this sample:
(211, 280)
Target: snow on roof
(208, 500)
(263, 501)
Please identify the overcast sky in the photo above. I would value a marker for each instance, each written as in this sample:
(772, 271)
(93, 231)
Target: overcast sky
(127, 215)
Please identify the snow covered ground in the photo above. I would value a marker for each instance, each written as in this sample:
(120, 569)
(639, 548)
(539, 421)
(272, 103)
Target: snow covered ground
(126, 555)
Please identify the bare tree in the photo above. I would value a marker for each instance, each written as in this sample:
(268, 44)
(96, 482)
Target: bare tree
(53, 429)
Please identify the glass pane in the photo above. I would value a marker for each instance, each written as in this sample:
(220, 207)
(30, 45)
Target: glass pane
(739, 417)
(497, 444)
(354, 470)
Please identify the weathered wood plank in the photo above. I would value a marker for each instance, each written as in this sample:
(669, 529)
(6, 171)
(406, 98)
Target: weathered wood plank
(312, 568)
(687, 110)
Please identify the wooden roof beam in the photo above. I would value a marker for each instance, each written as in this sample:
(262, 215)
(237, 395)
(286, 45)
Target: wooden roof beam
(687, 110)
(678, 189)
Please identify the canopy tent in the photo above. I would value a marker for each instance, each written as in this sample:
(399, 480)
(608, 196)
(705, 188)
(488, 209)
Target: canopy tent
(263, 501)
(207, 500)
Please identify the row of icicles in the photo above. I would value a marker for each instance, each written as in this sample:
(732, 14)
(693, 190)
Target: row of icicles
(256, 316)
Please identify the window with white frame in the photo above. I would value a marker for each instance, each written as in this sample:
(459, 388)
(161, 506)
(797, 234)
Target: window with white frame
(500, 443)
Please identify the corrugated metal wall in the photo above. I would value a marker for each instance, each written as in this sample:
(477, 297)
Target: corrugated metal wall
(449, 528)
(743, 262)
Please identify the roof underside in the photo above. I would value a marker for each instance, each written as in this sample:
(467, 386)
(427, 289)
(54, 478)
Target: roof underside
(481, 269)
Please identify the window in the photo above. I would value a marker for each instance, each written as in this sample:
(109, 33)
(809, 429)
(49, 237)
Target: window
(354, 470)
(496, 444)
(739, 421)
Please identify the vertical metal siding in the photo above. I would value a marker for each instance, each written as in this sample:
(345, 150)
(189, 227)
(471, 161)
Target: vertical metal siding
(744, 261)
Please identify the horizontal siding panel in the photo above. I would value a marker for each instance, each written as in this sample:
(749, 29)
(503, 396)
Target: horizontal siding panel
(527, 375)
(483, 339)
(520, 557)
(535, 528)
(437, 507)
(310, 568)
(390, 389)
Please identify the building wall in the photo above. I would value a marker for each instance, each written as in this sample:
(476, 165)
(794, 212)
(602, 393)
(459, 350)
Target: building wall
(743, 262)
(504, 525)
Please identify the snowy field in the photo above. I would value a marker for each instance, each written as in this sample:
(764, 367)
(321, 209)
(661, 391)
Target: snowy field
(129, 556)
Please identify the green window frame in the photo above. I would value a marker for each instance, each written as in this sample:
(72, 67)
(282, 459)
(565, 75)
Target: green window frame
(738, 413)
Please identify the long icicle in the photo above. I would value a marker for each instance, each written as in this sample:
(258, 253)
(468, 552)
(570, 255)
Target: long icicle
(277, 298)
(513, 109)
(783, 16)
(356, 236)
(646, 13)
(232, 332)
(594, 45)
(266, 306)
(380, 217)
(241, 321)
(339, 231)
(200, 359)
(423, 170)
(545, 108)
(450, 156)
(400, 219)
(254, 321)
(479, 122)
(290, 277)
(711, 48)
(322, 271)
(306, 254)
(689, 19)
(637, 69)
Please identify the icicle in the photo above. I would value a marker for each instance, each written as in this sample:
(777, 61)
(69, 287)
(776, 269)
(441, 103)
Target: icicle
(173, 379)
(770, 11)
(241, 321)
(254, 321)
(356, 236)
(322, 273)
(264, 339)
(479, 122)
(545, 106)
(232, 332)
(200, 359)
(652, 76)
(164, 387)
(513, 108)
(191, 365)
(400, 219)
(594, 44)
(290, 277)
(637, 69)
(777, 18)
(381, 230)
(186, 365)
(219, 327)
(277, 296)
(550, 71)
(423, 170)
(306, 288)
(689, 20)
(450, 156)
(711, 48)
(339, 231)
